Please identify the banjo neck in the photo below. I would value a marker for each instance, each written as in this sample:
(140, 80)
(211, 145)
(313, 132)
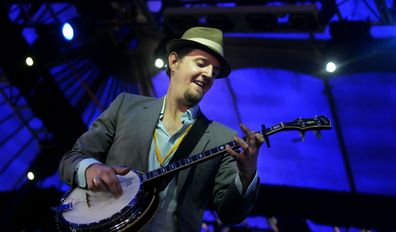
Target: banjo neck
(301, 124)
(187, 162)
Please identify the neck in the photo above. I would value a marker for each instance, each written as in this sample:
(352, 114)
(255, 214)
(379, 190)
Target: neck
(173, 111)
(174, 107)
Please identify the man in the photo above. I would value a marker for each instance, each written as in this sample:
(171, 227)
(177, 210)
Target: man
(143, 133)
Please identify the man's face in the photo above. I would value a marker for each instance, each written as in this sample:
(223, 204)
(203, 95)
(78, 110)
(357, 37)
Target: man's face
(194, 75)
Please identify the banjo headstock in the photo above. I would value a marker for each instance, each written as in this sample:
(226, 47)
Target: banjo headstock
(302, 125)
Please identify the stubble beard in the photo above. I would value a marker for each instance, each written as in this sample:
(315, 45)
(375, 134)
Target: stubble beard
(192, 97)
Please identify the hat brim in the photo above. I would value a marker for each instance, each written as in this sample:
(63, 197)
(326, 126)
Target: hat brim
(175, 44)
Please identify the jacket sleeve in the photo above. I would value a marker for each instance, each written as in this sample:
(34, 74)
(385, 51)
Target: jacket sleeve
(94, 143)
(230, 205)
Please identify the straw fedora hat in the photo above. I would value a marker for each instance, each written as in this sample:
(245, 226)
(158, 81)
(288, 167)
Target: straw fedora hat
(207, 39)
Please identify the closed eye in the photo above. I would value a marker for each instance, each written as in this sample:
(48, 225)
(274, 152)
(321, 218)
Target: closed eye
(201, 63)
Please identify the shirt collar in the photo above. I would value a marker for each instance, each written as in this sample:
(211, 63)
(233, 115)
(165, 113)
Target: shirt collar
(189, 115)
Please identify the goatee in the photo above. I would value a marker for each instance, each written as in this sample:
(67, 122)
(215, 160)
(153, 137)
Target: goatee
(192, 98)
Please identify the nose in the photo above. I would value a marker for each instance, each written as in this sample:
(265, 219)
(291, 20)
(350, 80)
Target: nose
(208, 72)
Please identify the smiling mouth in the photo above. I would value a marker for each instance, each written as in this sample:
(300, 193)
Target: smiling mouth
(200, 83)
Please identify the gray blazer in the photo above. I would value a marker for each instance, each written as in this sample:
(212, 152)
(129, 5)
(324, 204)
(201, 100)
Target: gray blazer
(122, 136)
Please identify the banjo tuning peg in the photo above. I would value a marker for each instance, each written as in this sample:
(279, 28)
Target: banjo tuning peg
(302, 136)
(317, 134)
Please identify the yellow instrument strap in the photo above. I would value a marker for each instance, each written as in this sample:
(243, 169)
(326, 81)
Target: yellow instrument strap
(157, 151)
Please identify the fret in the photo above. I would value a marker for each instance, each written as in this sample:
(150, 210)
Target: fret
(201, 155)
(276, 127)
(194, 158)
(177, 164)
(207, 153)
(155, 172)
(145, 176)
(232, 144)
(172, 166)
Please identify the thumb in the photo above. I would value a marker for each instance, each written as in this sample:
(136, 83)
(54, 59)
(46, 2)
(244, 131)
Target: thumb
(121, 170)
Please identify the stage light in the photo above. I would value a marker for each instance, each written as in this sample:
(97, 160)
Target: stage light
(67, 31)
(29, 61)
(331, 67)
(154, 6)
(159, 63)
(159, 53)
(30, 175)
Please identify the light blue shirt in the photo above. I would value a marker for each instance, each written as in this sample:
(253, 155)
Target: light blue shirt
(165, 142)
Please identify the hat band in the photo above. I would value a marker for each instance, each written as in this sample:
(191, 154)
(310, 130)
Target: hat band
(217, 47)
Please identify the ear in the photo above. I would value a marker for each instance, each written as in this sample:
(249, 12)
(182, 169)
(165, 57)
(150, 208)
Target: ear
(172, 61)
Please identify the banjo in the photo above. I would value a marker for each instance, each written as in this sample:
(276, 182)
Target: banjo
(85, 210)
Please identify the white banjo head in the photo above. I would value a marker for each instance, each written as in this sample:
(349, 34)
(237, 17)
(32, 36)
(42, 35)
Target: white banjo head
(90, 207)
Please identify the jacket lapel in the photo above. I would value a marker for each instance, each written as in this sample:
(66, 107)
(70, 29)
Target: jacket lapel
(200, 147)
(148, 117)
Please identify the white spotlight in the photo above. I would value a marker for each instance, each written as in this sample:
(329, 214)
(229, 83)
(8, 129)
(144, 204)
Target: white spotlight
(159, 63)
(29, 61)
(67, 31)
(30, 175)
(331, 67)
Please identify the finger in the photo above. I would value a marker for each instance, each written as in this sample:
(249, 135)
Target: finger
(90, 184)
(231, 152)
(259, 138)
(246, 130)
(91, 173)
(242, 143)
(121, 170)
(250, 135)
(113, 184)
(98, 184)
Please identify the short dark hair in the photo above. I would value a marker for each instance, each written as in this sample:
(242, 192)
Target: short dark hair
(181, 53)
